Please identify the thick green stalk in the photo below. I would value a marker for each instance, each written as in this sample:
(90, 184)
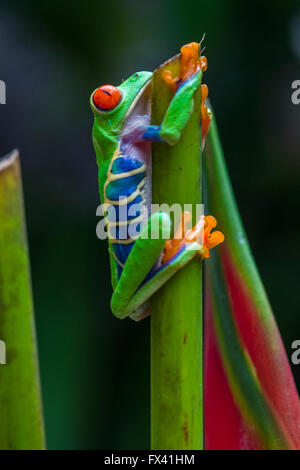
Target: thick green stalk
(176, 319)
(21, 423)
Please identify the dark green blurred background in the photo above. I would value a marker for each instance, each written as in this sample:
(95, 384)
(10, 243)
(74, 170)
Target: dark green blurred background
(94, 368)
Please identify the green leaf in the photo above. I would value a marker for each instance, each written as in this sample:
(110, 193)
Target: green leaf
(21, 422)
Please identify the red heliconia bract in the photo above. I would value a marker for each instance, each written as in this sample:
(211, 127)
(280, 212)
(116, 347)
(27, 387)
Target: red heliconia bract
(250, 398)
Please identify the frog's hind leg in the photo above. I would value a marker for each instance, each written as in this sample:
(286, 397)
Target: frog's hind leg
(159, 278)
(142, 258)
(177, 253)
(143, 272)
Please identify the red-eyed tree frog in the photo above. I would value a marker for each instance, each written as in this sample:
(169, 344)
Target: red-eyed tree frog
(122, 136)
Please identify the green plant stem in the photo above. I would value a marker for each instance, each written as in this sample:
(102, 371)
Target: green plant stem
(21, 423)
(176, 319)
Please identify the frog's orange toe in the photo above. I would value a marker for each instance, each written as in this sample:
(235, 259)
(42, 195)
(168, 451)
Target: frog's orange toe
(203, 63)
(213, 239)
(205, 114)
(200, 233)
(190, 63)
(169, 80)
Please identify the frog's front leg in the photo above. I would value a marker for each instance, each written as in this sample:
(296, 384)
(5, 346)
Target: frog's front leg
(191, 60)
(177, 114)
(175, 119)
(144, 272)
(181, 105)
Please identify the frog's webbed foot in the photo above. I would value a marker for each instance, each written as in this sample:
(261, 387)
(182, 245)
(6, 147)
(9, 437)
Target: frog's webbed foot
(191, 62)
(144, 273)
(200, 233)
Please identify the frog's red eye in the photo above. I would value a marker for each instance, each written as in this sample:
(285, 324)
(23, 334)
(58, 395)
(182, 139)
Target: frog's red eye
(107, 97)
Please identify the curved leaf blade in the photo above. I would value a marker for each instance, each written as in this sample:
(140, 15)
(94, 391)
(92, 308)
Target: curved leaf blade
(246, 369)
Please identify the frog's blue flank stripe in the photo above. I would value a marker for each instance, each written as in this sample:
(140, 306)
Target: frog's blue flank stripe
(123, 190)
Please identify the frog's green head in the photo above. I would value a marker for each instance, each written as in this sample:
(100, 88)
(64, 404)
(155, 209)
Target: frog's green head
(111, 105)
